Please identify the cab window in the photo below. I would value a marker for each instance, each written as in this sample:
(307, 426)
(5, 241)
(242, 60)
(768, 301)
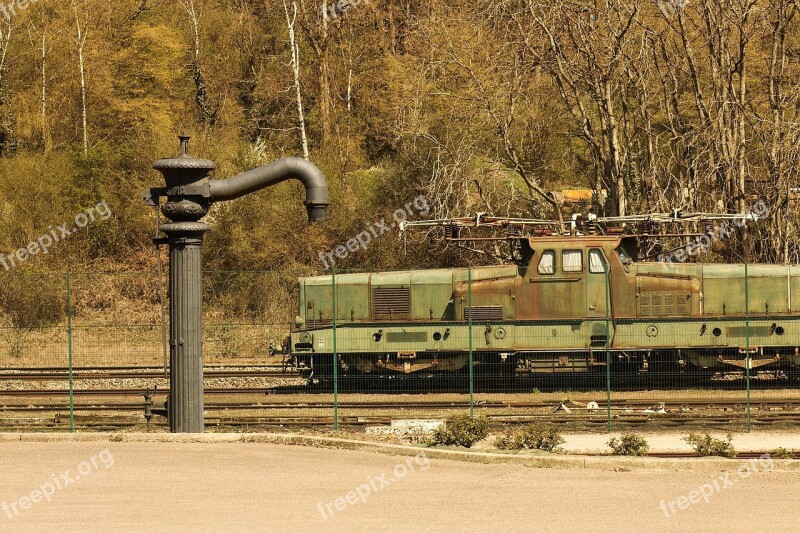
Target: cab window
(572, 261)
(597, 263)
(624, 258)
(547, 264)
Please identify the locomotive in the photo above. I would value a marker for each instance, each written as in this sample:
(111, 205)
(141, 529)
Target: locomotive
(571, 303)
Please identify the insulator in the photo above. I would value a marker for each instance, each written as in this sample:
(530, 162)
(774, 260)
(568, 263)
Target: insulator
(513, 231)
(709, 227)
(450, 232)
(645, 227)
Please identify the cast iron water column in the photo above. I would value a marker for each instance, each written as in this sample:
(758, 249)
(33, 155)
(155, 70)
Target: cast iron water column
(190, 191)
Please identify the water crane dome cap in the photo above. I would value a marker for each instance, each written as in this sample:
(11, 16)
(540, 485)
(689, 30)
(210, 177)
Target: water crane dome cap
(184, 160)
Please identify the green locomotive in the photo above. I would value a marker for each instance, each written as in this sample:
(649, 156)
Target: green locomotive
(571, 304)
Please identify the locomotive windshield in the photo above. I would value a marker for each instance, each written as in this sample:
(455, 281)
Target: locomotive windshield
(627, 251)
(624, 258)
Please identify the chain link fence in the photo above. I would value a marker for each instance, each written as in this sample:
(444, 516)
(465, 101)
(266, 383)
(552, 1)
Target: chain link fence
(575, 342)
(593, 346)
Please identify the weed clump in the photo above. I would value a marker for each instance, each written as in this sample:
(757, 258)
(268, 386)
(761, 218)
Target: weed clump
(461, 430)
(629, 444)
(706, 445)
(545, 437)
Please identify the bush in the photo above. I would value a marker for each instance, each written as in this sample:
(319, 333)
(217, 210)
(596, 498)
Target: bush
(461, 430)
(629, 444)
(781, 453)
(545, 437)
(706, 445)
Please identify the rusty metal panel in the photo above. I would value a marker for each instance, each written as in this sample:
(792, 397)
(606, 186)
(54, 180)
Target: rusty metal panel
(723, 289)
(667, 294)
(491, 286)
(432, 295)
(769, 289)
(561, 297)
(793, 289)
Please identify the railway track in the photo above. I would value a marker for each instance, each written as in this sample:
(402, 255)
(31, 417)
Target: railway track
(55, 374)
(267, 406)
(373, 412)
(34, 393)
(90, 421)
(674, 404)
(689, 455)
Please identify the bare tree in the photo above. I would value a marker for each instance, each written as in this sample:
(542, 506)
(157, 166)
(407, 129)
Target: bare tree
(495, 131)
(723, 29)
(45, 129)
(777, 131)
(38, 36)
(585, 53)
(315, 26)
(295, 64)
(8, 138)
(208, 112)
(81, 32)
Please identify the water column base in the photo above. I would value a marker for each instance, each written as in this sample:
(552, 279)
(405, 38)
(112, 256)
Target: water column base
(186, 404)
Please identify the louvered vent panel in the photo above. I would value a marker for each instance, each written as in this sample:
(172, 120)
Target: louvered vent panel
(644, 305)
(669, 304)
(391, 302)
(658, 306)
(683, 304)
(491, 313)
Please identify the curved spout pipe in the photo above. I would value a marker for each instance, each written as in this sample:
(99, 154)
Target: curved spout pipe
(284, 169)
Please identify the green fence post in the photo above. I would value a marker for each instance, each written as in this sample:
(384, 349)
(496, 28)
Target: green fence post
(69, 354)
(747, 361)
(608, 349)
(335, 356)
(471, 370)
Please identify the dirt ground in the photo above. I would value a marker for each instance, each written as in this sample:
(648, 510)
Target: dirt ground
(264, 487)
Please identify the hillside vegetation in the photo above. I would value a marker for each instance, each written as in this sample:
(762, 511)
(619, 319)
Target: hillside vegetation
(480, 105)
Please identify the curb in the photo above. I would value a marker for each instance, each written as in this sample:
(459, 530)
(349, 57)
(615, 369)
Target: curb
(527, 459)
